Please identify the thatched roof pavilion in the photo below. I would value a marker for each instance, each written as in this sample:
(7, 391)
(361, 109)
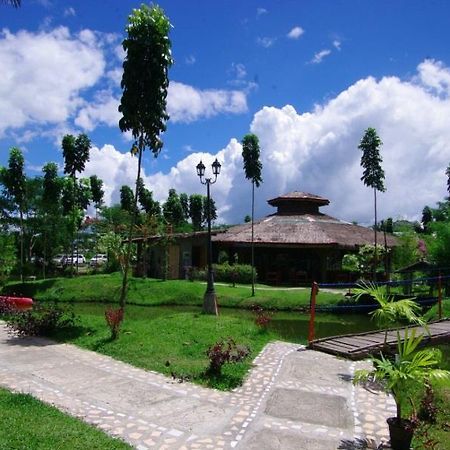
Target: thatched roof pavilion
(298, 237)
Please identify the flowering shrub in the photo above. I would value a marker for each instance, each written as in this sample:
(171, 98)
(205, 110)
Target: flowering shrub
(225, 351)
(262, 317)
(114, 318)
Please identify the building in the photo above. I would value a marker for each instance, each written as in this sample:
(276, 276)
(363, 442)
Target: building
(298, 243)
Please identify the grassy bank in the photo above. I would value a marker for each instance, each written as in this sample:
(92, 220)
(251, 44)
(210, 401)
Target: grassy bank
(173, 342)
(27, 423)
(106, 288)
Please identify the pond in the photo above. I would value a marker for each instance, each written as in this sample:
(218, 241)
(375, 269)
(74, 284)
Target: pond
(289, 326)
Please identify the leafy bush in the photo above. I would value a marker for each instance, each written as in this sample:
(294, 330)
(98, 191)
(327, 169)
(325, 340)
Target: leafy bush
(42, 320)
(227, 273)
(262, 317)
(114, 319)
(223, 352)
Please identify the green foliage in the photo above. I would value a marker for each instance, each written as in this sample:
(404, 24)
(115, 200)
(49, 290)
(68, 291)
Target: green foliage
(173, 209)
(406, 252)
(145, 81)
(75, 153)
(7, 256)
(52, 185)
(390, 311)
(439, 246)
(212, 209)
(363, 261)
(127, 199)
(373, 174)
(408, 370)
(96, 185)
(227, 273)
(117, 251)
(196, 211)
(251, 155)
(42, 320)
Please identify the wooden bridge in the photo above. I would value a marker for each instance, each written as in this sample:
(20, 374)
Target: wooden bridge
(357, 346)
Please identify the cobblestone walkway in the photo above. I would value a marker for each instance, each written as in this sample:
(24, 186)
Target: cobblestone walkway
(292, 398)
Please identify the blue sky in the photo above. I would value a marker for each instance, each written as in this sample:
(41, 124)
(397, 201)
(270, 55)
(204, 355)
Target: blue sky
(307, 77)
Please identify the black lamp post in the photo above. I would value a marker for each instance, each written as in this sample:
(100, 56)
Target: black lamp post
(210, 298)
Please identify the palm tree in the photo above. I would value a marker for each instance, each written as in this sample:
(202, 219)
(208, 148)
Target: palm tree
(389, 311)
(252, 168)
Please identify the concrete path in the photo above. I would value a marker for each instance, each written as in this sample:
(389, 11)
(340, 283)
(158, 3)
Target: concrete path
(292, 399)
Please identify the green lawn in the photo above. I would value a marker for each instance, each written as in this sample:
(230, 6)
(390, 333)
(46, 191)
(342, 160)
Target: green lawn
(106, 288)
(27, 423)
(169, 341)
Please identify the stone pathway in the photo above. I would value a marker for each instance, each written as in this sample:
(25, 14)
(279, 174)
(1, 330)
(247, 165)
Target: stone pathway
(292, 399)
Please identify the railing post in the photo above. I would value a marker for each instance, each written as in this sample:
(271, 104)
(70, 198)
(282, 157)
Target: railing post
(312, 308)
(440, 296)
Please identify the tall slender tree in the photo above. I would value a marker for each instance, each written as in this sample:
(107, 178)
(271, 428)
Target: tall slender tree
(14, 181)
(76, 155)
(144, 84)
(252, 168)
(447, 172)
(373, 174)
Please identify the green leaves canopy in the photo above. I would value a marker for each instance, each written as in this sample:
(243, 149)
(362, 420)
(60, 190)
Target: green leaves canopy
(373, 174)
(250, 154)
(144, 80)
(76, 153)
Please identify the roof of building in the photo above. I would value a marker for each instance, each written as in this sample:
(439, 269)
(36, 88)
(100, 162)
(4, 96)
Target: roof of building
(301, 225)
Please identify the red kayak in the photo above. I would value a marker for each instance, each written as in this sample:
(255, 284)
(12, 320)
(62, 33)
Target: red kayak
(21, 303)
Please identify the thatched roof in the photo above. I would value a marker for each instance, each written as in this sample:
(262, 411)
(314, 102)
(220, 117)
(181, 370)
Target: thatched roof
(298, 222)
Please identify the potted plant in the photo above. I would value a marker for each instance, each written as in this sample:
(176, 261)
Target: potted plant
(389, 311)
(409, 370)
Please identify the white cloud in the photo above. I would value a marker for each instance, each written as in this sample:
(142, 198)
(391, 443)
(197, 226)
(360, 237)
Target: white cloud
(187, 104)
(261, 11)
(103, 110)
(266, 42)
(337, 44)
(238, 70)
(295, 33)
(46, 73)
(190, 60)
(317, 152)
(319, 56)
(435, 76)
(70, 12)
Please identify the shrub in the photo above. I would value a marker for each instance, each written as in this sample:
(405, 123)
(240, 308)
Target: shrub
(262, 317)
(6, 308)
(227, 273)
(223, 352)
(42, 320)
(114, 319)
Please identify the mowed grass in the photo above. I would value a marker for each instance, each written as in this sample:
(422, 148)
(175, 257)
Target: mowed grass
(170, 341)
(146, 291)
(28, 424)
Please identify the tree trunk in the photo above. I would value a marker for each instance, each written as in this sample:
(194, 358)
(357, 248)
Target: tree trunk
(123, 291)
(375, 260)
(21, 245)
(253, 245)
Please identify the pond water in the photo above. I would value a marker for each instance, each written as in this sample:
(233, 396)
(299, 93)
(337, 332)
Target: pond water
(290, 326)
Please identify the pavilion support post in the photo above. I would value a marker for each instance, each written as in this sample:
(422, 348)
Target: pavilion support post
(312, 306)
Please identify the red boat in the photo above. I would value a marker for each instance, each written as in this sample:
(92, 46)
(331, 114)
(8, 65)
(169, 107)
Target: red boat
(21, 303)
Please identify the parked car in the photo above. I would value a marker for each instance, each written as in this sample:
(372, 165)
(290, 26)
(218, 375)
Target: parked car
(98, 260)
(72, 260)
(58, 260)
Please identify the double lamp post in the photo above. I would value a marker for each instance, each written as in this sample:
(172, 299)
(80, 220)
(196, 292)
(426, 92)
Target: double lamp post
(210, 297)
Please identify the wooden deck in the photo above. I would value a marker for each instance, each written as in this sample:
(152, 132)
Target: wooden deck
(357, 346)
